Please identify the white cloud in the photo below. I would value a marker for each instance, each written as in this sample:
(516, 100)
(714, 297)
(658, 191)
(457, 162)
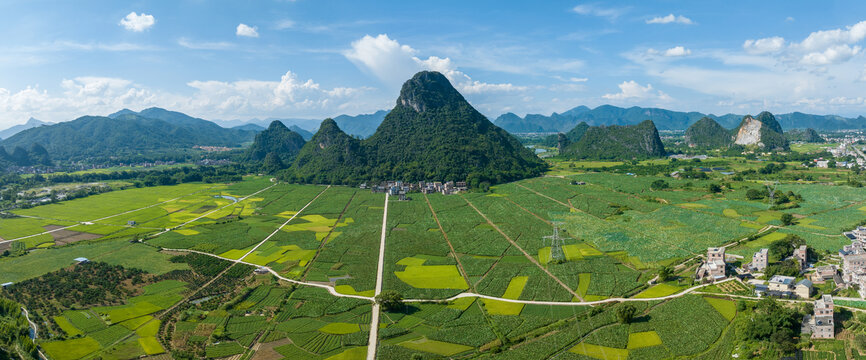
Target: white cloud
(595, 10)
(820, 48)
(676, 51)
(631, 90)
(247, 31)
(789, 19)
(285, 24)
(670, 18)
(136, 22)
(832, 55)
(574, 79)
(394, 63)
(764, 46)
(197, 45)
(210, 99)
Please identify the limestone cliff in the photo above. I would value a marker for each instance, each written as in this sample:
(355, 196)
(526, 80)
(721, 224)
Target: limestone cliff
(762, 131)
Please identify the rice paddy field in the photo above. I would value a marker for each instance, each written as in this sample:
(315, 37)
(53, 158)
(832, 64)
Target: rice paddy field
(615, 231)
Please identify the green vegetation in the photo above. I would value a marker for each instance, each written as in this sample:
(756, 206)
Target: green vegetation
(616, 142)
(707, 133)
(275, 147)
(432, 133)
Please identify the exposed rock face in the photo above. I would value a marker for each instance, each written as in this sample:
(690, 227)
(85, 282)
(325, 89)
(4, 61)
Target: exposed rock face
(750, 132)
(762, 131)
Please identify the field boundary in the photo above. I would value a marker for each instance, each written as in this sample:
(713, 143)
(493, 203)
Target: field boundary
(373, 341)
(532, 259)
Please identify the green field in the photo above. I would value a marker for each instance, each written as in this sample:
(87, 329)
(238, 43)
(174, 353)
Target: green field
(616, 232)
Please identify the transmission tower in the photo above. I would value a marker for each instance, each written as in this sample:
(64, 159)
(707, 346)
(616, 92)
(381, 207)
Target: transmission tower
(772, 191)
(556, 242)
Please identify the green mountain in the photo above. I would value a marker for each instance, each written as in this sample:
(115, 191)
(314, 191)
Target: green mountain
(330, 157)
(617, 142)
(809, 135)
(707, 133)
(762, 131)
(432, 133)
(277, 144)
(126, 134)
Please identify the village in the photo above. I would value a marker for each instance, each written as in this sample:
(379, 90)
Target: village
(844, 271)
(400, 189)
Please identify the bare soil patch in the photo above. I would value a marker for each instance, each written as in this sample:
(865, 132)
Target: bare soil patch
(63, 237)
(266, 350)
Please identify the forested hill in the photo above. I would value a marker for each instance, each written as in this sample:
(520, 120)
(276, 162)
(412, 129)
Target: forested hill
(615, 142)
(276, 147)
(432, 133)
(664, 119)
(126, 133)
(808, 135)
(707, 133)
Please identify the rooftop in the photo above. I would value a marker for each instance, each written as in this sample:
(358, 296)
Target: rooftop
(779, 279)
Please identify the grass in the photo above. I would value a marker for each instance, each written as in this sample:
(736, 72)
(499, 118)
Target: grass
(150, 345)
(67, 327)
(727, 308)
(356, 353)
(659, 290)
(513, 291)
(339, 328)
(643, 339)
(600, 352)
(432, 277)
(71, 349)
(436, 347)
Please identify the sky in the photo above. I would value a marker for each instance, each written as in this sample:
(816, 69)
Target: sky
(248, 59)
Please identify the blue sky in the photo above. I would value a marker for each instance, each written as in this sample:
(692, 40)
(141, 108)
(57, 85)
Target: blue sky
(313, 59)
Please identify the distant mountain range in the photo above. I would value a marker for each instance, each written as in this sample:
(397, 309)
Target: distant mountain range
(362, 125)
(31, 123)
(127, 133)
(663, 119)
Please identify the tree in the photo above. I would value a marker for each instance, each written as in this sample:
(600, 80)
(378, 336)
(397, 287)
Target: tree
(787, 219)
(659, 185)
(665, 273)
(714, 188)
(390, 299)
(755, 194)
(625, 313)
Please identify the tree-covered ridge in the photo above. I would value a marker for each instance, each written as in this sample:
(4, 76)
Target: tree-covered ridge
(432, 133)
(277, 146)
(707, 133)
(330, 157)
(808, 135)
(37, 155)
(617, 142)
(126, 133)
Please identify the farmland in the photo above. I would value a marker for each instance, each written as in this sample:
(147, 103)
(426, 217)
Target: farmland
(194, 298)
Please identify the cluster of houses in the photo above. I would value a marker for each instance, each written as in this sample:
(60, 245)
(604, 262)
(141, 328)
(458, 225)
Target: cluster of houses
(400, 189)
(821, 324)
(854, 259)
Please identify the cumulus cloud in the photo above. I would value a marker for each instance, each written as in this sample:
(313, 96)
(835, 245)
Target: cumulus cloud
(764, 46)
(393, 63)
(247, 31)
(214, 99)
(669, 19)
(820, 48)
(136, 22)
(631, 90)
(676, 51)
(595, 10)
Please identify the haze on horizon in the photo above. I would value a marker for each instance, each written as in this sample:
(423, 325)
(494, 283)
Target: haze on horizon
(306, 59)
